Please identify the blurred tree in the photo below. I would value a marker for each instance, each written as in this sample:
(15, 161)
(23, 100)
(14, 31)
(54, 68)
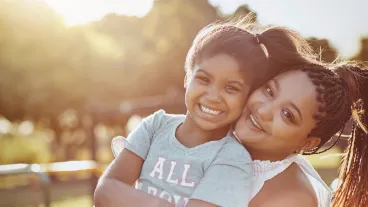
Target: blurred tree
(47, 68)
(324, 49)
(243, 11)
(363, 52)
(26, 40)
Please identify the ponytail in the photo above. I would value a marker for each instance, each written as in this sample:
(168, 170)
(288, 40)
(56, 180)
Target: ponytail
(353, 190)
(286, 47)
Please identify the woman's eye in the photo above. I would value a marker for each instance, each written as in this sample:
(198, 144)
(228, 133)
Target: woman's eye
(203, 79)
(288, 115)
(269, 91)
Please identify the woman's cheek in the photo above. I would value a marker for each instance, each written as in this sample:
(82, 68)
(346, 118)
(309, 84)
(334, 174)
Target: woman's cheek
(286, 132)
(280, 129)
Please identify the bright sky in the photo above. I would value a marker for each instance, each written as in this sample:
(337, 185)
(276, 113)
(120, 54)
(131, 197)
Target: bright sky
(83, 11)
(343, 22)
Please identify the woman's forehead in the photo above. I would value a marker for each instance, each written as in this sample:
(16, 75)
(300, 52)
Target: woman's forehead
(296, 87)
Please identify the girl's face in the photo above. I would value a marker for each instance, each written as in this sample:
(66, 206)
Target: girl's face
(278, 117)
(216, 92)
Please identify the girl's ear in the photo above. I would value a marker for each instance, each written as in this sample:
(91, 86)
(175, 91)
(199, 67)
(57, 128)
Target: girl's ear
(185, 81)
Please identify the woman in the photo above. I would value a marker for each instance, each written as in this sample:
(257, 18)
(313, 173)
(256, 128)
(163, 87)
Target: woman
(296, 113)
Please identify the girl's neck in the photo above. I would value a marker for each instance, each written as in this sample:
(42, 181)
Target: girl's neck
(191, 135)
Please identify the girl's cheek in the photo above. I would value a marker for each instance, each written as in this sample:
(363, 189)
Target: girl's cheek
(239, 100)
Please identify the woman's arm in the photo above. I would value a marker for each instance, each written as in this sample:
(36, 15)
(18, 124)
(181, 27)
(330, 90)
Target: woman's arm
(115, 186)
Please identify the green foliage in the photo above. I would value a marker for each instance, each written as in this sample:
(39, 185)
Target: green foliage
(19, 150)
(47, 68)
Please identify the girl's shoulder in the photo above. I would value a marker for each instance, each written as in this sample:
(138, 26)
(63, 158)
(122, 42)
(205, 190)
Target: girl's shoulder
(166, 117)
(161, 119)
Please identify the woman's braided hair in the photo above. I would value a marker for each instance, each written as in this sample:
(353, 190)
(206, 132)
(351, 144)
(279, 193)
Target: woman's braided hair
(342, 94)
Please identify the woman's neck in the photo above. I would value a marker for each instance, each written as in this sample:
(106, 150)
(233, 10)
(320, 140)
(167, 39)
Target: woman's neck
(191, 135)
(257, 154)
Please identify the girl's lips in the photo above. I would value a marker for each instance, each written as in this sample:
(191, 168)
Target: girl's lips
(209, 110)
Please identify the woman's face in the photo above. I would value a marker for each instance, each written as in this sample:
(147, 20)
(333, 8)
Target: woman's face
(278, 117)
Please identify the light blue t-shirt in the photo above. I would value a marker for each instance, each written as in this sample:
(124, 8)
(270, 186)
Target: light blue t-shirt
(218, 172)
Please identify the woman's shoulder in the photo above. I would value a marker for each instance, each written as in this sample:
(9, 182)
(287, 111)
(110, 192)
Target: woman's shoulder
(290, 198)
(289, 188)
(297, 187)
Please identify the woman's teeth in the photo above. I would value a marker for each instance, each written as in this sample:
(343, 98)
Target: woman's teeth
(254, 122)
(210, 111)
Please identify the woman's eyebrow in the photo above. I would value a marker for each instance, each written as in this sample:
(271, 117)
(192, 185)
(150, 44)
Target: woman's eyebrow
(296, 109)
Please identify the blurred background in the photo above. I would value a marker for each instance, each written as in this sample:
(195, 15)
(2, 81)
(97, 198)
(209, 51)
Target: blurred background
(76, 73)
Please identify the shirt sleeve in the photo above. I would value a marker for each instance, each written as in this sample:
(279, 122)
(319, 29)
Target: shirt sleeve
(227, 182)
(139, 140)
(117, 145)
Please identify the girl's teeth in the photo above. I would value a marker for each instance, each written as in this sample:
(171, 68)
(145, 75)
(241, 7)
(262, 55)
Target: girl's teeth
(210, 111)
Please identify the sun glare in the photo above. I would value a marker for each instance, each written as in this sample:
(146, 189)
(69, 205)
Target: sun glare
(75, 12)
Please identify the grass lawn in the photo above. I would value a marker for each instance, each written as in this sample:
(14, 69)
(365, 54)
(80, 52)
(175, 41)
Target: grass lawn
(80, 201)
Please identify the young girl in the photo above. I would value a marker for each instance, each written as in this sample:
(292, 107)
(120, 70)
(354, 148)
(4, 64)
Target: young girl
(191, 159)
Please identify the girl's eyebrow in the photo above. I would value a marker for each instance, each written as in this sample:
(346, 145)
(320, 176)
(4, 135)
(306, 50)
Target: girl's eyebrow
(277, 84)
(240, 81)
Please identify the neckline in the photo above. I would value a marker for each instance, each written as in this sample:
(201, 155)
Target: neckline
(264, 166)
(177, 144)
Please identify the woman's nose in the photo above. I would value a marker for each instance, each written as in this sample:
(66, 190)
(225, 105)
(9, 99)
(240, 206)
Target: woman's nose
(265, 111)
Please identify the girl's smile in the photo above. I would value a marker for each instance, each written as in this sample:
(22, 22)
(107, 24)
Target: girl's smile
(216, 93)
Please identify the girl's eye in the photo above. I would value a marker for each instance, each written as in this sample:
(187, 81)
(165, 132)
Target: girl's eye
(269, 91)
(288, 115)
(231, 89)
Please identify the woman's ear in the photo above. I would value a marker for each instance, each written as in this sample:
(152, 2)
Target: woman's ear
(311, 143)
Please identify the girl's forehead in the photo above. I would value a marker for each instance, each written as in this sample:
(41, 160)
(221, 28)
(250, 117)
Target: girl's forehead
(219, 63)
